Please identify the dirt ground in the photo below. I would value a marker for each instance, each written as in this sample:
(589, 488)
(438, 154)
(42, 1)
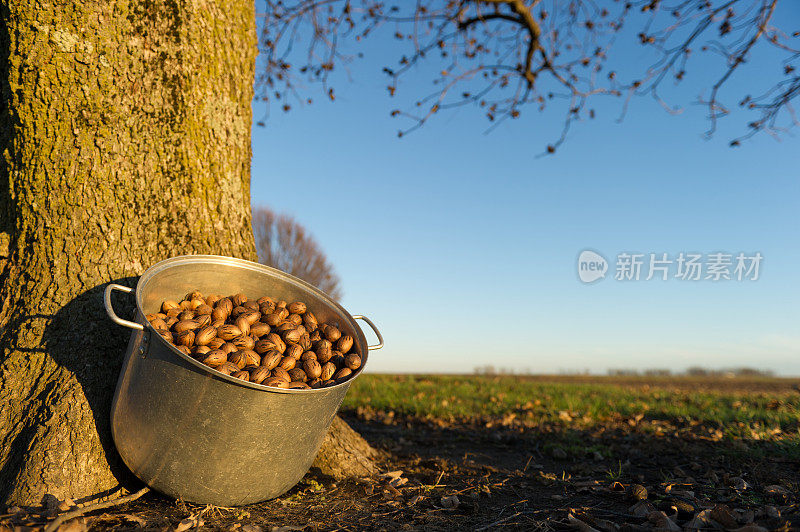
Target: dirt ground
(615, 475)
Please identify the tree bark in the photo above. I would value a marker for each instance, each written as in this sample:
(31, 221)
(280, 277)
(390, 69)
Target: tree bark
(125, 134)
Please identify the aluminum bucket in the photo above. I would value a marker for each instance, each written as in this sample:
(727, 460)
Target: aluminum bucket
(196, 434)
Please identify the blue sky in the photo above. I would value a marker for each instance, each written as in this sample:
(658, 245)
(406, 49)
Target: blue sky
(462, 246)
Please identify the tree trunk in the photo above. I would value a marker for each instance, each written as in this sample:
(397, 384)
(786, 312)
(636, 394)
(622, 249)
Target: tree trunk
(125, 133)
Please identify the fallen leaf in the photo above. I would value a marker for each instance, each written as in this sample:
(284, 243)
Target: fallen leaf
(134, 518)
(701, 520)
(739, 484)
(750, 528)
(392, 474)
(642, 509)
(414, 500)
(193, 521)
(580, 525)
(723, 515)
(75, 525)
(662, 522)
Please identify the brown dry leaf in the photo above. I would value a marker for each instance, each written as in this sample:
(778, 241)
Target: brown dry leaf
(391, 475)
(750, 528)
(134, 518)
(193, 521)
(580, 525)
(397, 482)
(723, 515)
(702, 519)
(415, 499)
(252, 528)
(662, 522)
(642, 509)
(75, 525)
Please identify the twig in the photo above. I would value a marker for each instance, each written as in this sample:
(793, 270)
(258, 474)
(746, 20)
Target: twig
(92, 507)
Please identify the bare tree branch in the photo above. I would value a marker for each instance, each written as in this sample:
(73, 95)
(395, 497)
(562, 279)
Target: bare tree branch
(504, 55)
(284, 244)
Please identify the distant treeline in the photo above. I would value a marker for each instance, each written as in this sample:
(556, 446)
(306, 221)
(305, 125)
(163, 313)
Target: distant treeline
(694, 371)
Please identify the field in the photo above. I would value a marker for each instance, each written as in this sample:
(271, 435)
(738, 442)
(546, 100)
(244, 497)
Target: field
(541, 453)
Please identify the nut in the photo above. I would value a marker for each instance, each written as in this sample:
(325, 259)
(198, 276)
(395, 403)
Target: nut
(259, 329)
(229, 332)
(312, 368)
(216, 343)
(251, 316)
(296, 307)
(327, 371)
(273, 320)
(292, 336)
(310, 321)
(242, 323)
(168, 305)
(298, 375)
(281, 373)
(244, 342)
(244, 375)
(227, 368)
(205, 335)
(185, 338)
(215, 358)
(258, 374)
(185, 325)
(268, 342)
(202, 310)
(271, 359)
(294, 351)
(352, 361)
(228, 348)
(331, 333)
(276, 382)
(344, 343)
(342, 375)
(288, 363)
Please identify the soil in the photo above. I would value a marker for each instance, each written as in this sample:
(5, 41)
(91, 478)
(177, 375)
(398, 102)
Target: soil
(441, 475)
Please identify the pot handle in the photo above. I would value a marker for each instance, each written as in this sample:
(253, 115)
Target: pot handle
(374, 329)
(113, 315)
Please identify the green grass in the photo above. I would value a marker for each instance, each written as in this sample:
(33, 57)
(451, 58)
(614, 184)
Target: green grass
(738, 413)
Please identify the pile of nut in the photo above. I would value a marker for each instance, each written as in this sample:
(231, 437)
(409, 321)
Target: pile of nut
(268, 341)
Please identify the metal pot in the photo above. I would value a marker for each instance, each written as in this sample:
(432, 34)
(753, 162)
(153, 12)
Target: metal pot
(196, 434)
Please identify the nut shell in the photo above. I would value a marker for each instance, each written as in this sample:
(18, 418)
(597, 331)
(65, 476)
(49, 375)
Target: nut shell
(215, 358)
(229, 332)
(244, 375)
(205, 335)
(312, 368)
(276, 382)
(281, 373)
(271, 359)
(185, 338)
(258, 374)
(352, 361)
(344, 343)
(298, 375)
(260, 329)
(296, 307)
(342, 375)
